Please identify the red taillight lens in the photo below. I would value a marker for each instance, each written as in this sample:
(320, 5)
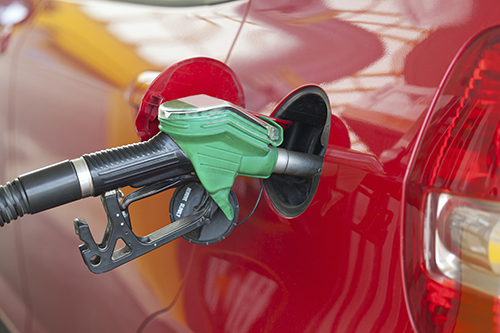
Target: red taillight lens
(451, 230)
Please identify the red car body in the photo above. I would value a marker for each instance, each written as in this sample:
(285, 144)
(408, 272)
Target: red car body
(71, 84)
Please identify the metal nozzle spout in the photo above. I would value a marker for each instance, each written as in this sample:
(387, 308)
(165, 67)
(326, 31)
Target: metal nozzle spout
(298, 164)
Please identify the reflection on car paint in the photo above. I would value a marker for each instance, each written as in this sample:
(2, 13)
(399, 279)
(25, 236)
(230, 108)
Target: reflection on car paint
(336, 267)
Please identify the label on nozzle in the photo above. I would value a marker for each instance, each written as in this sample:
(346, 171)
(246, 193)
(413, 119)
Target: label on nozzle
(222, 141)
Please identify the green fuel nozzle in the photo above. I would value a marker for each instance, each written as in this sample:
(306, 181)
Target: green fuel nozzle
(222, 141)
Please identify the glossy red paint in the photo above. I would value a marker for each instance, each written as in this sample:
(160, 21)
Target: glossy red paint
(335, 267)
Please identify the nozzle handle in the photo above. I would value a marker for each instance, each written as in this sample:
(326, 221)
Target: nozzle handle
(93, 174)
(136, 165)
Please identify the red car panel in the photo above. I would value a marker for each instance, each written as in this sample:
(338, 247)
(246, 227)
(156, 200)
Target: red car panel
(70, 77)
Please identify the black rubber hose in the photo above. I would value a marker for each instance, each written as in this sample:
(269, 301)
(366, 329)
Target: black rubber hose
(13, 202)
(39, 190)
(132, 165)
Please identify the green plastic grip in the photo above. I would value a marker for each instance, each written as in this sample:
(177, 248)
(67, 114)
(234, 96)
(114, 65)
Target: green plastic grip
(222, 141)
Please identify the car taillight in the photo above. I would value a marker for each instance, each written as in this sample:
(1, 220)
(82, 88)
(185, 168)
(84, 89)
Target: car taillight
(451, 226)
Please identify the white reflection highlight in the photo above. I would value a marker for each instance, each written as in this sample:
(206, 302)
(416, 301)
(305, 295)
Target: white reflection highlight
(169, 34)
(13, 13)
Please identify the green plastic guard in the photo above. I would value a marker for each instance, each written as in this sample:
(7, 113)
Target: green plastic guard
(222, 141)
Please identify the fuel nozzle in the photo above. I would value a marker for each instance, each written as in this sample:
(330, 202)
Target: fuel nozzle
(215, 138)
(222, 141)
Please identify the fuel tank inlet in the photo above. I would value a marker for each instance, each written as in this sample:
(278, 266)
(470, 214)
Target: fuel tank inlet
(308, 108)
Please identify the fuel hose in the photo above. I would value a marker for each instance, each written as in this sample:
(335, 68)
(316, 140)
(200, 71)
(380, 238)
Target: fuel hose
(93, 174)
